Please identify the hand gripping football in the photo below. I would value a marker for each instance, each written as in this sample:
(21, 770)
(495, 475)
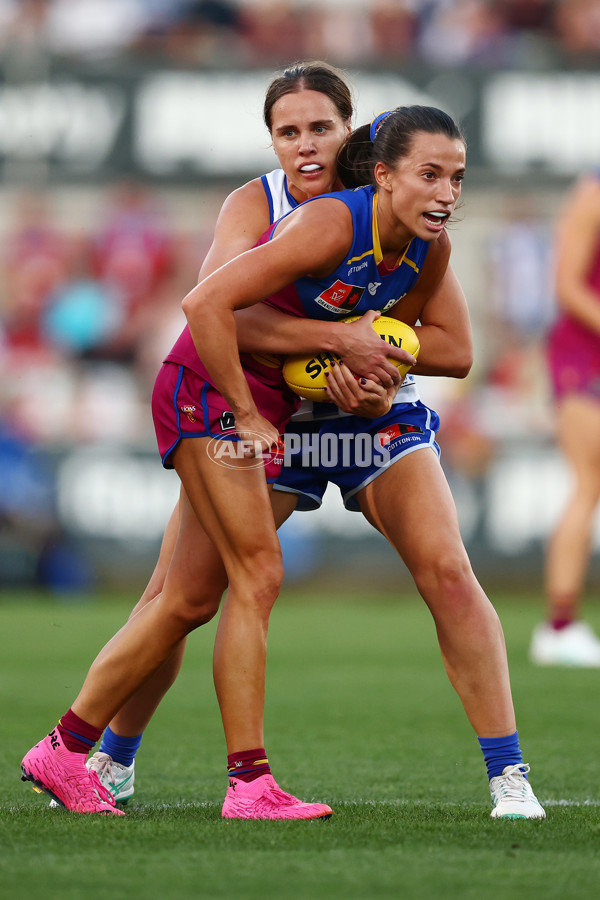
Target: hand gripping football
(305, 375)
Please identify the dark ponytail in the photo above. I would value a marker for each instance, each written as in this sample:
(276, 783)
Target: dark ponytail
(392, 140)
(355, 161)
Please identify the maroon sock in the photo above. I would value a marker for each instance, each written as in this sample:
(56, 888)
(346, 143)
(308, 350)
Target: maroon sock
(559, 624)
(78, 736)
(563, 610)
(249, 764)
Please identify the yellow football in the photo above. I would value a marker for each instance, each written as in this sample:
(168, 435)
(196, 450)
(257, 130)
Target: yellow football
(305, 375)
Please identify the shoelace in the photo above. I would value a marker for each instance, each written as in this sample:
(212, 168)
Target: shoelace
(274, 796)
(102, 792)
(267, 802)
(512, 784)
(102, 764)
(288, 799)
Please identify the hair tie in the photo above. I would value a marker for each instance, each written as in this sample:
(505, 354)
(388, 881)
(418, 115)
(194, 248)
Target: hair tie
(377, 122)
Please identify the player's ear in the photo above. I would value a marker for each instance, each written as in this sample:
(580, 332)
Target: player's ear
(382, 176)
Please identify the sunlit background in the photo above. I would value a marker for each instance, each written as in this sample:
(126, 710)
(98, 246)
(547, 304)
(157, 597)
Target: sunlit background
(123, 126)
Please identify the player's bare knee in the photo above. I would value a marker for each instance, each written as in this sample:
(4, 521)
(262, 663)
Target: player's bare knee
(259, 582)
(449, 576)
(195, 608)
(264, 589)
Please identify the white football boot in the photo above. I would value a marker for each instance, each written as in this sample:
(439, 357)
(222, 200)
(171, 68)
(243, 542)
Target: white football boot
(118, 779)
(575, 645)
(513, 797)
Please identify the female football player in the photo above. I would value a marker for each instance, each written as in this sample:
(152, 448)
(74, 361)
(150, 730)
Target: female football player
(574, 362)
(399, 228)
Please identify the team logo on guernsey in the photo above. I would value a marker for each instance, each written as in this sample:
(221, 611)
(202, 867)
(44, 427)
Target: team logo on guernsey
(340, 297)
(189, 412)
(387, 435)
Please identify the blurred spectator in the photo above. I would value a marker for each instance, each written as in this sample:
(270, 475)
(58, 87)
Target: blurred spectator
(394, 28)
(456, 32)
(132, 257)
(512, 396)
(275, 30)
(578, 28)
(36, 260)
(83, 314)
(340, 32)
(69, 304)
(520, 250)
(206, 32)
(528, 15)
(33, 548)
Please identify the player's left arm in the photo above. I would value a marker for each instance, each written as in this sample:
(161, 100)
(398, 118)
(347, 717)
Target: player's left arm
(437, 309)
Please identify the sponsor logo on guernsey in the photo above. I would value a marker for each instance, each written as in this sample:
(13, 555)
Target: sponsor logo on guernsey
(398, 430)
(353, 269)
(373, 287)
(391, 303)
(340, 297)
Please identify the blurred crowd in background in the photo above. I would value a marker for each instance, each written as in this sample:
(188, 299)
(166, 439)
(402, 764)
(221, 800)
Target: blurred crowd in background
(89, 305)
(243, 33)
(85, 317)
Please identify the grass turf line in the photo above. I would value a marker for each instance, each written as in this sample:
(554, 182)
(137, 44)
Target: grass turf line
(359, 714)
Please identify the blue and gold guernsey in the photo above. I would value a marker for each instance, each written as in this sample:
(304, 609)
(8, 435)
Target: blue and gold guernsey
(361, 282)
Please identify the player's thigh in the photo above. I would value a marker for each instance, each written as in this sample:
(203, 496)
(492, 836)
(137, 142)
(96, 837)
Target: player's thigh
(196, 564)
(411, 504)
(283, 503)
(578, 433)
(232, 503)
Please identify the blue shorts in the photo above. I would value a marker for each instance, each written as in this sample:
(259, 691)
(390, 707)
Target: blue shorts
(351, 451)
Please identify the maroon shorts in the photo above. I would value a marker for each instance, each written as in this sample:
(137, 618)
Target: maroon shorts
(185, 405)
(574, 359)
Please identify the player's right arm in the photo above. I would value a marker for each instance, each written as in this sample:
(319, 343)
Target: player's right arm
(244, 281)
(262, 328)
(243, 218)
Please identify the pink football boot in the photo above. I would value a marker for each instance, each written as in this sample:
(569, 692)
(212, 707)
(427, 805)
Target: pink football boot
(264, 799)
(63, 775)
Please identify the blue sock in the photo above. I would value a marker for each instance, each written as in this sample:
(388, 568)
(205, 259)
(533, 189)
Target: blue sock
(122, 749)
(500, 752)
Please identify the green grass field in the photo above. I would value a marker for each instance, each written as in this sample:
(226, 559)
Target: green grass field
(359, 715)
